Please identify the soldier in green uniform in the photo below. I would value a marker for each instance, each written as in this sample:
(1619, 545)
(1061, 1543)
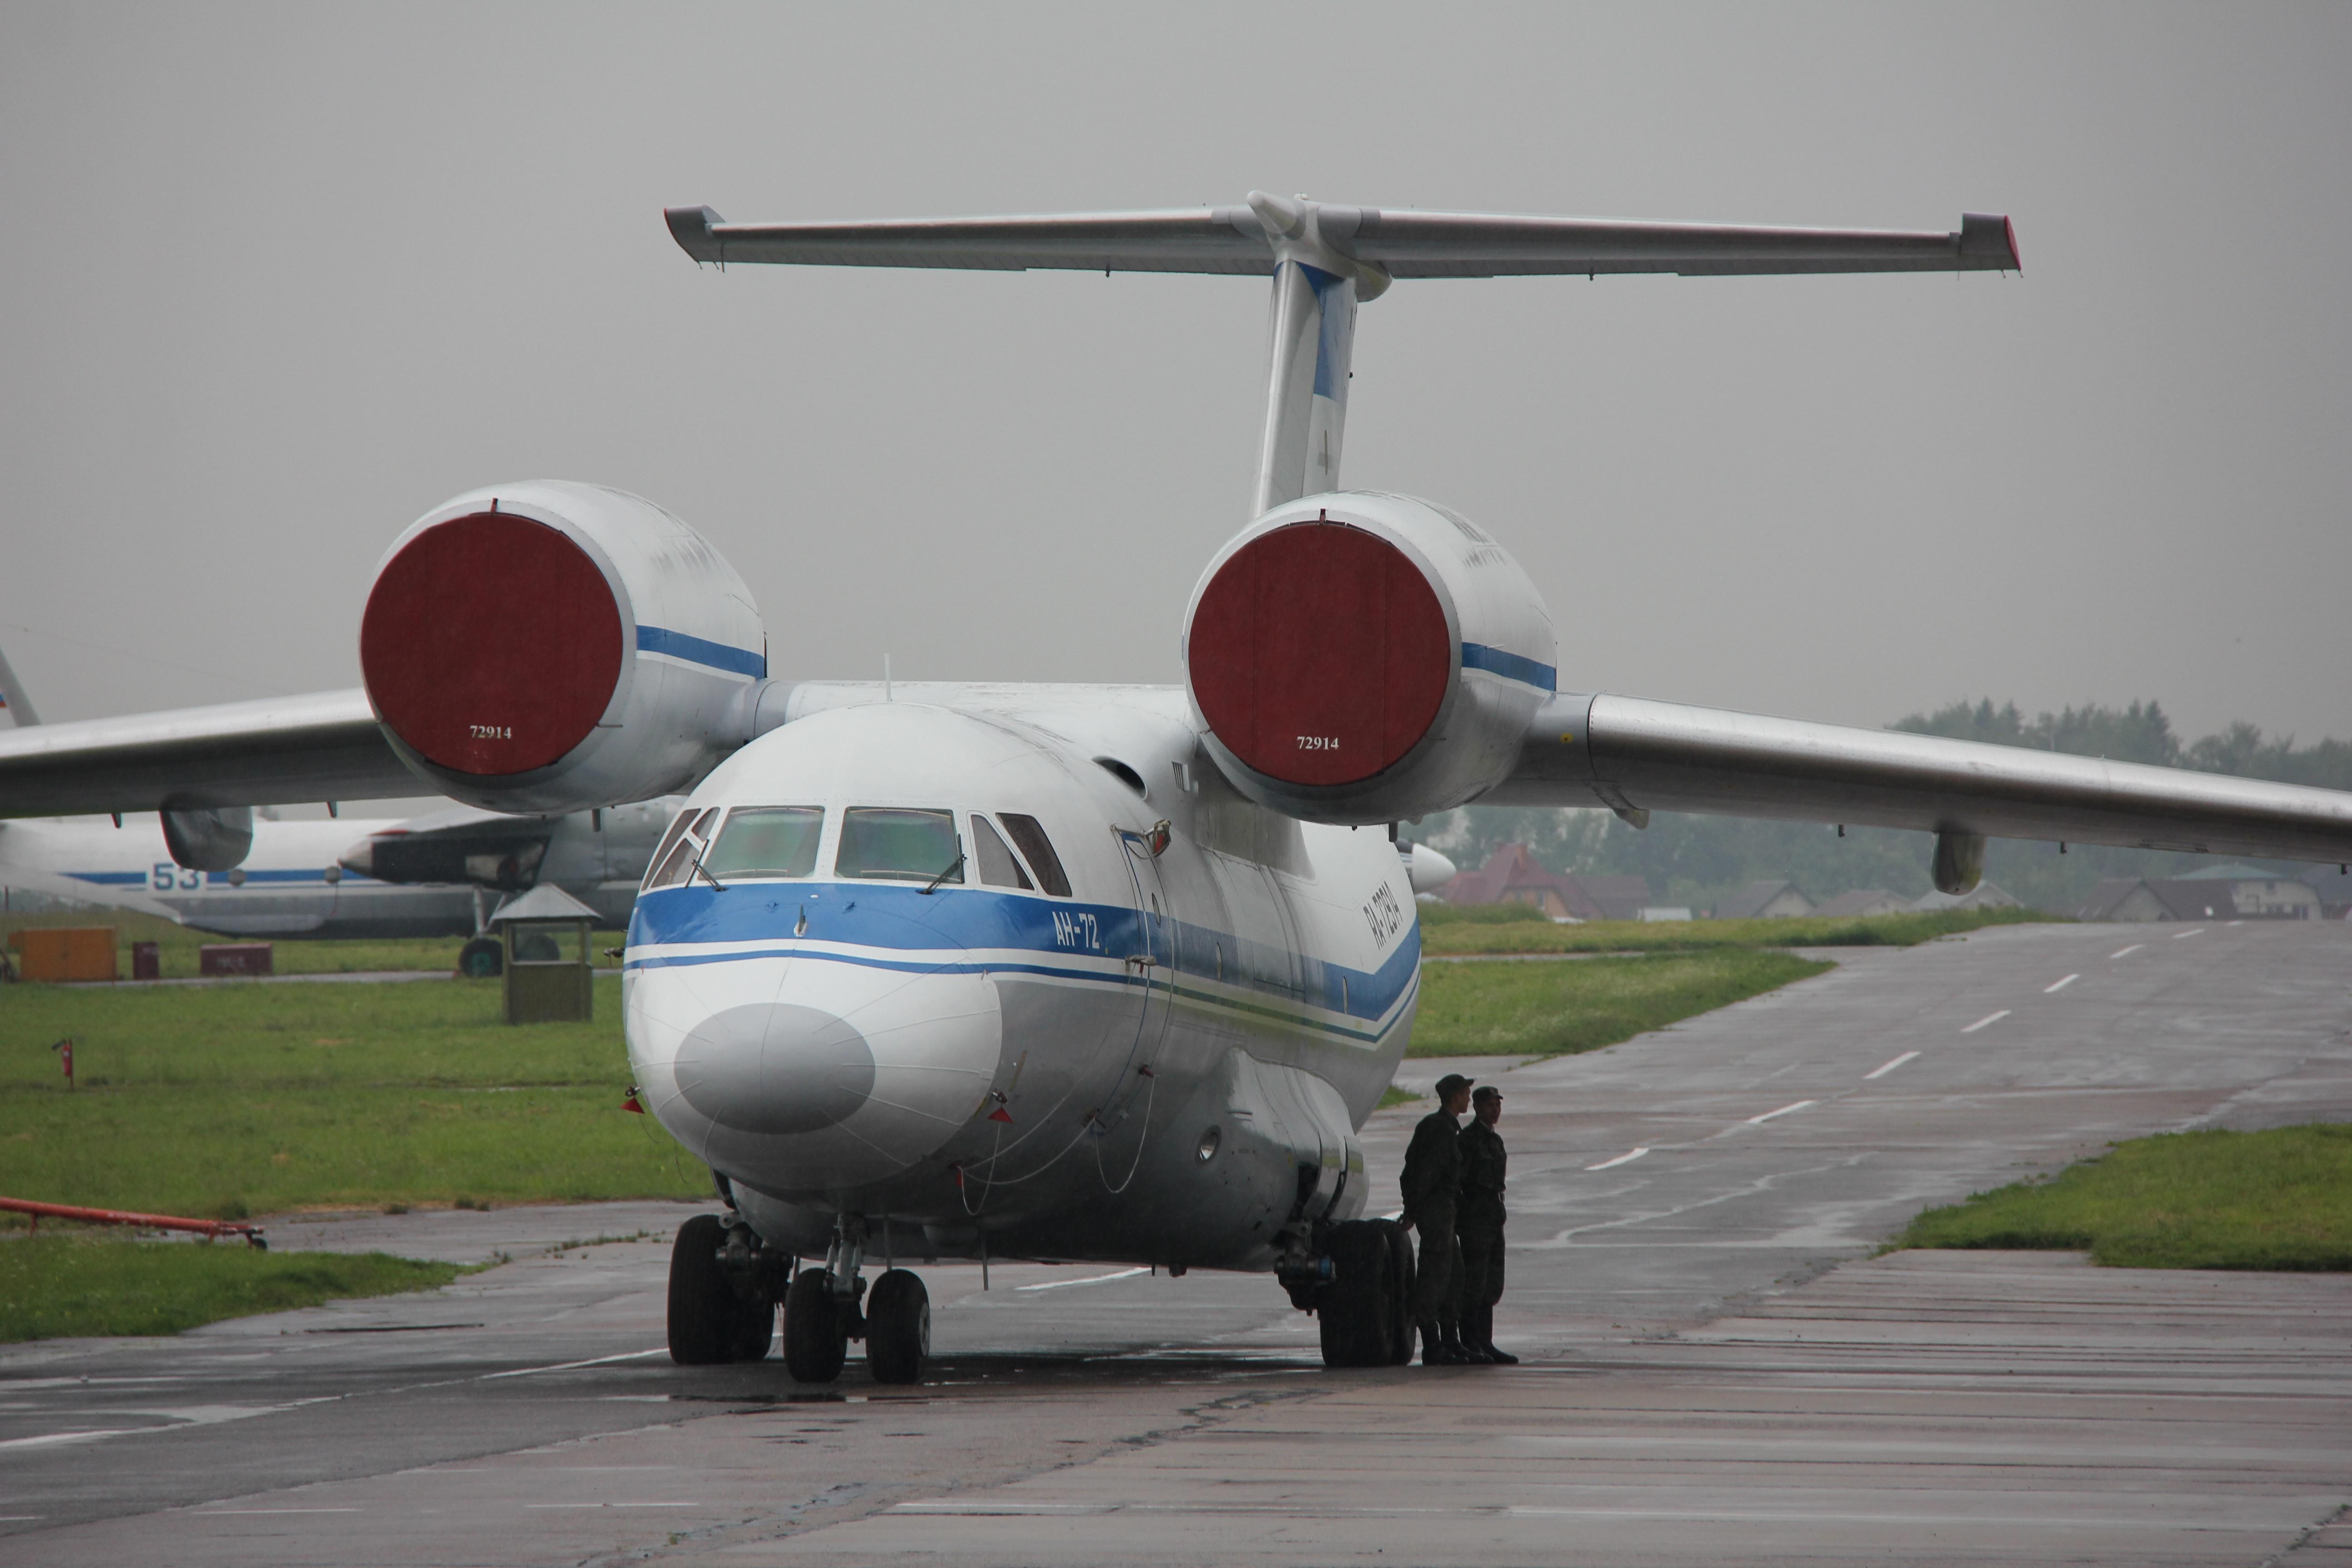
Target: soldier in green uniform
(1432, 1183)
(1479, 1223)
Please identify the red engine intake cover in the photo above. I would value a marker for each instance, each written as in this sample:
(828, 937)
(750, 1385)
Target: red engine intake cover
(1320, 653)
(491, 645)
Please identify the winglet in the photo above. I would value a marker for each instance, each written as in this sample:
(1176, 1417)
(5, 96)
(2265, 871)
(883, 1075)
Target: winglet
(1990, 234)
(691, 228)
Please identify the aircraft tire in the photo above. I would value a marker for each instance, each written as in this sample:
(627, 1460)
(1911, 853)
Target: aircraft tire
(898, 1327)
(815, 1341)
(1400, 1271)
(1354, 1312)
(705, 1318)
(482, 958)
(756, 1328)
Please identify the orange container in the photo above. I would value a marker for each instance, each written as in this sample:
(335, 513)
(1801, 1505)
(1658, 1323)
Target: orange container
(65, 953)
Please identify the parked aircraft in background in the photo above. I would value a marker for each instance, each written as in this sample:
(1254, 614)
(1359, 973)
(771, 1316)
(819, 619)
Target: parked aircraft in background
(1068, 971)
(439, 875)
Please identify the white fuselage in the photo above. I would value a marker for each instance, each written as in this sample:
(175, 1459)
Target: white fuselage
(289, 884)
(1166, 1064)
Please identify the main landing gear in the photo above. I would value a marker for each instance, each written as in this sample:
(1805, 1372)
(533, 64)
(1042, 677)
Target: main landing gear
(1359, 1286)
(723, 1287)
(719, 1309)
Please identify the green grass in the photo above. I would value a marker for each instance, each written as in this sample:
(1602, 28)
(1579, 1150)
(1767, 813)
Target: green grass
(254, 1099)
(52, 1286)
(1392, 1095)
(1549, 1009)
(1491, 934)
(290, 955)
(2276, 1200)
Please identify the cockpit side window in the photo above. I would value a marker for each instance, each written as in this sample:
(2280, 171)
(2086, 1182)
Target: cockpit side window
(767, 841)
(1029, 834)
(678, 825)
(898, 844)
(998, 869)
(675, 867)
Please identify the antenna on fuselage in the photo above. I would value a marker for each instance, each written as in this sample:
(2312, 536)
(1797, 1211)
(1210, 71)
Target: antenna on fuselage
(1325, 259)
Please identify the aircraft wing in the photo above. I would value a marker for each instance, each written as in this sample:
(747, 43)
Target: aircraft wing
(1410, 244)
(1635, 755)
(276, 752)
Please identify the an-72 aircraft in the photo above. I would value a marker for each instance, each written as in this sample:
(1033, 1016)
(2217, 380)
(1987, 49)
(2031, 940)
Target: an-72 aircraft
(1073, 972)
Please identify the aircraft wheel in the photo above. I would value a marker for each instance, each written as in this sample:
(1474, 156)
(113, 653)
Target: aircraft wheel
(816, 1341)
(756, 1330)
(1354, 1312)
(1401, 1272)
(898, 1327)
(704, 1318)
(482, 958)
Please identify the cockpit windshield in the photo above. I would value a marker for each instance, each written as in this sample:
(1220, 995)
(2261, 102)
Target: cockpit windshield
(766, 841)
(899, 844)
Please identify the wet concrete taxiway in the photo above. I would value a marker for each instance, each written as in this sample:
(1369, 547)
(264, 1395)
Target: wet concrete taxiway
(1716, 1370)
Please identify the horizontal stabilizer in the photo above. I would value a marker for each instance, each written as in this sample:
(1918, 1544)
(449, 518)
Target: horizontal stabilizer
(1410, 244)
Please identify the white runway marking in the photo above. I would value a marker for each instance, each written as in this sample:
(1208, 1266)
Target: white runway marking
(1782, 1111)
(607, 1505)
(1089, 1280)
(53, 1439)
(1619, 1160)
(2060, 985)
(1987, 1018)
(570, 1365)
(223, 1512)
(2185, 936)
(1890, 1066)
(2126, 951)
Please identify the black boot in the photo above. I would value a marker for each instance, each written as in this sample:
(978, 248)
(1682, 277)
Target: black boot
(1435, 1352)
(1464, 1354)
(1483, 1326)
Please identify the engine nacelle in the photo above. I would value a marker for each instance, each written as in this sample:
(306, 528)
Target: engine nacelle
(1357, 658)
(549, 646)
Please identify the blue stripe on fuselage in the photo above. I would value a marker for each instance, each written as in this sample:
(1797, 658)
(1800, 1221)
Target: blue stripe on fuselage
(701, 650)
(902, 919)
(1509, 665)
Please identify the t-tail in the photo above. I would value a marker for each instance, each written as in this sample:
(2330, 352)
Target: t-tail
(1325, 259)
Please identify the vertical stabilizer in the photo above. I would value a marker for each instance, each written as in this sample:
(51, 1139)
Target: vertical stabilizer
(13, 698)
(1310, 340)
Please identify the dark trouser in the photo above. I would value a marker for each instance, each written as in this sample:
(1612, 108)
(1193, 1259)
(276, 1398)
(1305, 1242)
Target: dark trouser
(1482, 1284)
(1433, 1284)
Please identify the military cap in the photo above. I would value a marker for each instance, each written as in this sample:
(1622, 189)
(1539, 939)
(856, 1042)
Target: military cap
(1452, 1084)
(1488, 1092)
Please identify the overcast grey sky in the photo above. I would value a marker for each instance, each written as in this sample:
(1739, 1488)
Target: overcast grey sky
(275, 279)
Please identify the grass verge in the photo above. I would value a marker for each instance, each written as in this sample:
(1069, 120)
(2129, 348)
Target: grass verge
(2274, 1200)
(177, 946)
(1392, 1095)
(228, 1100)
(52, 1286)
(1442, 936)
(1549, 1009)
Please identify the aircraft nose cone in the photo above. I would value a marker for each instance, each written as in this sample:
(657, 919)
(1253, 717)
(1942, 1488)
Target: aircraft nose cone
(776, 1067)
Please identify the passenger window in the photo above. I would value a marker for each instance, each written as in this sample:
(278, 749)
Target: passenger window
(767, 841)
(998, 869)
(898, 844)
(1030, 835)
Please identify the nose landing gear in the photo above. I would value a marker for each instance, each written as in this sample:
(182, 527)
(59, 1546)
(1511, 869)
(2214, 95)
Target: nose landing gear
(822, 1315)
